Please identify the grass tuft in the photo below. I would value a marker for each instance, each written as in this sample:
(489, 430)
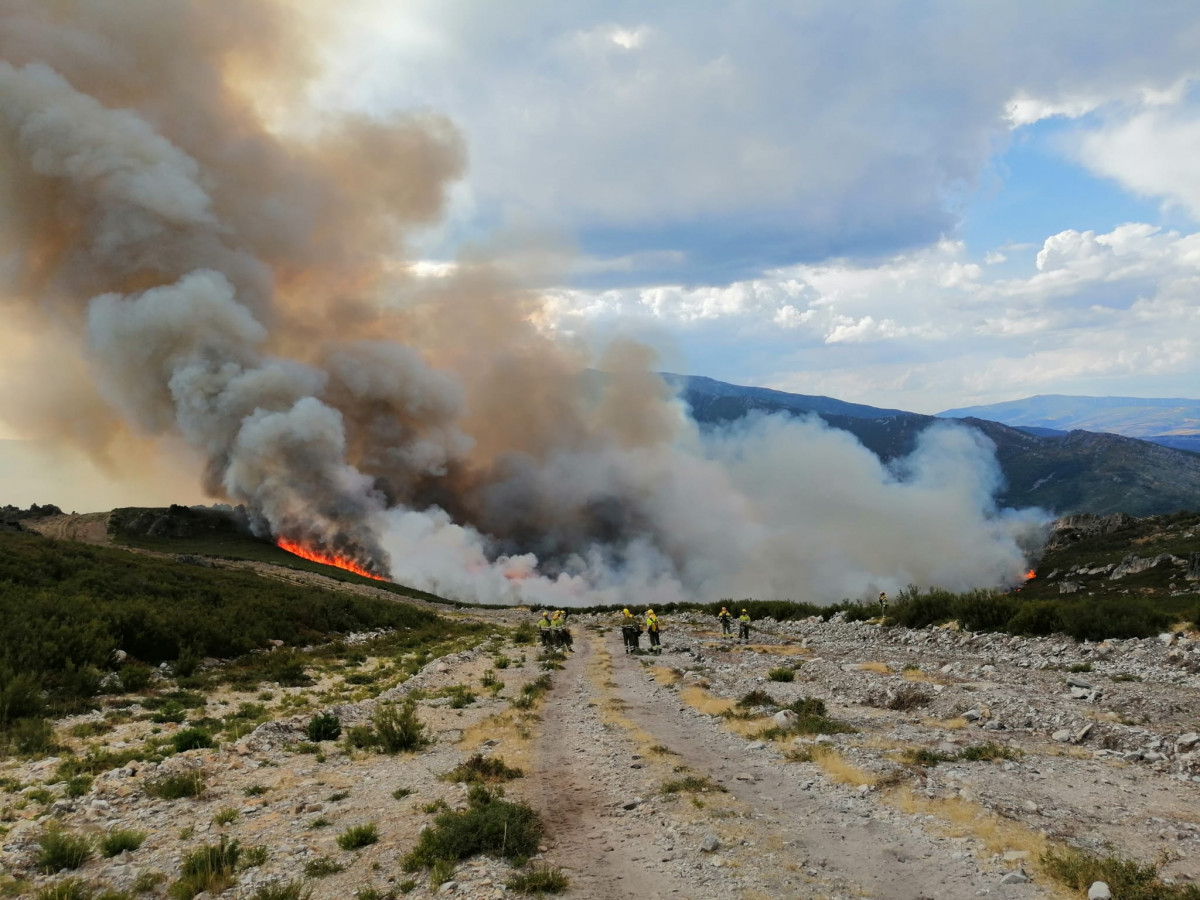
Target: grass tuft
(480, 769)
(120, 840)
(539, 882)
(208, 869)
(62, 850)
(175, 787)
(358, 836)
(490, 824)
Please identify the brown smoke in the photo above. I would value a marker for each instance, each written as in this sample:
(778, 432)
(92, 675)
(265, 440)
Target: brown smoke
(189, 251)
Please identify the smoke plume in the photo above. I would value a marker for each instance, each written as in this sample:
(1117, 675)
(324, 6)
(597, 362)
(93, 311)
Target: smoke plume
(234, 285)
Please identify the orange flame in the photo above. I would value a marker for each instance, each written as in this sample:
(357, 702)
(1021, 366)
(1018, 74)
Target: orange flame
(327, 559)
(1030, 574)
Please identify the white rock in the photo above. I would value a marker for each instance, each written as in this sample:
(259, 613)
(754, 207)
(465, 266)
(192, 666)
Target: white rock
(1063, 735)
(1099, 891)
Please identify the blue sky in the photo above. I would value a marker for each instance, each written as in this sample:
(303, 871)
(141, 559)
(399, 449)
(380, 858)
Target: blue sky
(914, 205)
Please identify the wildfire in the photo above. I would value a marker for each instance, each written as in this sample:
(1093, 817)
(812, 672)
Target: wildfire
(327, 559)
(1031, 574)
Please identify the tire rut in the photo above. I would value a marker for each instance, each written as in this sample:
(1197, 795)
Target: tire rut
(598, 852)
(839, 838)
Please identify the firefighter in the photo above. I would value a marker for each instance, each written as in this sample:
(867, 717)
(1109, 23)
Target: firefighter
(564, 633)
(544, 630)
(652, 628)
(630, 631)
(725, 617)
(744, 626)
(882, 605)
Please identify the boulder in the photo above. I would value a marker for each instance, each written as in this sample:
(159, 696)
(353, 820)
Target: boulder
(785, 719)
(1099, 891)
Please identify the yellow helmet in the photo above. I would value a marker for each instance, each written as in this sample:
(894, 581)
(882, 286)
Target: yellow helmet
(626, 611)
(746, 611)
(649, 612)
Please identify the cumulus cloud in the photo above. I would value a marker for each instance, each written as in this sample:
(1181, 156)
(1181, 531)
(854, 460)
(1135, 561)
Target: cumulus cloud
(1083, 312)
(748, 135)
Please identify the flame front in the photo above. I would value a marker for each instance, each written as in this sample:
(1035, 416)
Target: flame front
(327, 559)
(1031, 574)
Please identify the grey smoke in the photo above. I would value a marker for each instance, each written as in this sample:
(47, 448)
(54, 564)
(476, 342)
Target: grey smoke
(229, 286)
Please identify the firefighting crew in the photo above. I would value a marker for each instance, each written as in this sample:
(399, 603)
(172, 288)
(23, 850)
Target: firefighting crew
(545, 630)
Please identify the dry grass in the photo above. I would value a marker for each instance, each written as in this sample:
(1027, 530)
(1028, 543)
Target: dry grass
(878, 667)
(839, 769)
(957, 723)
(664, 675)
(961, 818)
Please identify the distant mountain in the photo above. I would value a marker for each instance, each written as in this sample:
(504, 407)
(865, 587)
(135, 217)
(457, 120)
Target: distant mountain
(1172, 422)
(1062, 471)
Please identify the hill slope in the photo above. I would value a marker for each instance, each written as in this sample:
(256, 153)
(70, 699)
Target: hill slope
(1064, 473)
(1172, 422)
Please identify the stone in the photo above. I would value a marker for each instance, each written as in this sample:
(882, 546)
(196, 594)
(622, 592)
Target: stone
(1063, 735)
(785, 719)
(1074, 682)
(1099, 891)
(1187, 741)
(972, 715)
(448, 887)
(755, 745)
(1015, 877)
(710, 844)
(1082, 733)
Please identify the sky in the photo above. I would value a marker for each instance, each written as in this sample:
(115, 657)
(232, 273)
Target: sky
(920, 206)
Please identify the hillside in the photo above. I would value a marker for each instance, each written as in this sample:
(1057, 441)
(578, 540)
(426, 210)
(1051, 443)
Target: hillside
(429, 755)
(1172, 422)
(1063, 473)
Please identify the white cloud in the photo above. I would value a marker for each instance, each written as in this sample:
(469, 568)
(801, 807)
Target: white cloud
(922, 330)
(1152, 153)
(816, 121)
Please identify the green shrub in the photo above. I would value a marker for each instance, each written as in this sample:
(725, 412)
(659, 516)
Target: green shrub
(489, 824)
(191, 739)
(501, 662)
(1079, 667)
(324, 727)
(361, 737)
(68, 889)
(322, 867)
(207, 869)
(398, 729)
(539, 882)
(253, 857)
(30, 737)
(756, 698)
(358, 836)
(782, 673)
(120, 840)
(460, 696)
(923, 756)
(226, 816)
(254, 790)
(812, 719)
(135, 677)
(282, 890)
(1126, 879)
(691, 784)
(480, 769)
(79, 785)
(175, 787)
(524, 633)
(147, 881)
(401, 792)
(61, 850)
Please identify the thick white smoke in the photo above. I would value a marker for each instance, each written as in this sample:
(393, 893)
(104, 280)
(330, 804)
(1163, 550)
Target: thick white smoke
(229, 286)
(769, 506)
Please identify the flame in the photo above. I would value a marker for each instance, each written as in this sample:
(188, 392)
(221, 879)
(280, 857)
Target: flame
(327, 559)
(1030, 575)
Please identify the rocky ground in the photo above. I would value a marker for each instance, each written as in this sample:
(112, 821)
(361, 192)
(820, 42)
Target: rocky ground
(652, 782)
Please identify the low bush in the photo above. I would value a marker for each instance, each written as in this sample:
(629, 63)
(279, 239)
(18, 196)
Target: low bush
(120, 840)
(255, 856)
(226, 816)
(490, 824)
(79, 785)
(691, 784)
(61, 849)
(480, 769)
(175, 787)
(923, 756)
(398, 729)
(322, 867)
(191, 739)
(782, 673)
(1126, 879)
(756, 698)
(324, 727)
(207, 869)
(358, 836)
(539, 882)
(282, 890)
(460, 696)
